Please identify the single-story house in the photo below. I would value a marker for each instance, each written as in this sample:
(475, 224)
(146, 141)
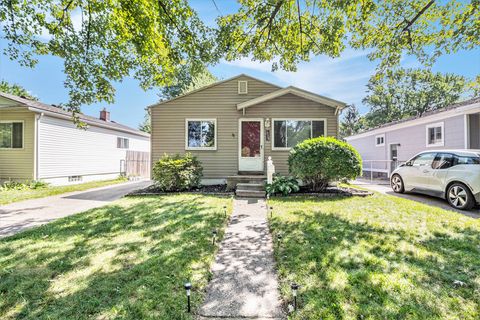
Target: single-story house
(40, 142)
(454, 127)
(234, 125)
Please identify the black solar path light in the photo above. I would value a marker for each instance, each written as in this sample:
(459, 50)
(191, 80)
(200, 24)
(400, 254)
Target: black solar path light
(294, 287)
(225, 211)
(214, 236)
(271, 212)
(188, 287)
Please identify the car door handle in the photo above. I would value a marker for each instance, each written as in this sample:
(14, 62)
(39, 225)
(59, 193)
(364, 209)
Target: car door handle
(426, 171)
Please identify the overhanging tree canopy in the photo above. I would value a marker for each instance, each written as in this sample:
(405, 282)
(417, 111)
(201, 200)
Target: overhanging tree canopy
(104, 41)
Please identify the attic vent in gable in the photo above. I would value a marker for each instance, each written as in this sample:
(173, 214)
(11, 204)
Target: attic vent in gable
(242, 87)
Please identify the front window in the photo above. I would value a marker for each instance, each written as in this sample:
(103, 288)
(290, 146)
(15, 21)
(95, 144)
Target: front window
(200, 134)
(435, 135)
(11, 135)
(288, 133)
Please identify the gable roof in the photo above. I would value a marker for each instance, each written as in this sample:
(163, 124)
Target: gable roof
(281, 91)
(295, 91)
(39, 107)
(210, 86)
(451, 110)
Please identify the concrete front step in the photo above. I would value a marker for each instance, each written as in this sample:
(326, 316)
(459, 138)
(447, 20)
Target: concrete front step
(250, 193)
(232, 181)
(251, 186)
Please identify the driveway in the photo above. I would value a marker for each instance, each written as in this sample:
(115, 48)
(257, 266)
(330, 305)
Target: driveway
(384, 187)
(19, 216)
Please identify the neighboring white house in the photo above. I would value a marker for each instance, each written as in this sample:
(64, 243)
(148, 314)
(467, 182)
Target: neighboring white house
(41, 142)
(454, 127)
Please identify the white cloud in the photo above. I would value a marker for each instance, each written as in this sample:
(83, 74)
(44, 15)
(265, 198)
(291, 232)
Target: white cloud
(343, 78)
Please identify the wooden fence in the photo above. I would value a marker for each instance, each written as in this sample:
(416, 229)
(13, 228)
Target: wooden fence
(137, 164)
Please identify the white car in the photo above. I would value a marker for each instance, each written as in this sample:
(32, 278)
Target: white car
(449, 174)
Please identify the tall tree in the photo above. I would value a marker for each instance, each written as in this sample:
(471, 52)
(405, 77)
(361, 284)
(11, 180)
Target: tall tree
(102, 42)
(351, 122)
(186, 81)
(401, 93)
(294, 30)
(16, 89)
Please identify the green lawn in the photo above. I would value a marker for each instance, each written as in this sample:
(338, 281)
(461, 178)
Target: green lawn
(127, 260)
(19, 195)
(379, 257)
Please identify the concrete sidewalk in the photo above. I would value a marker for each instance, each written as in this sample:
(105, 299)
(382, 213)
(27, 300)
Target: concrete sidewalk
(244, 283)
(22, 215)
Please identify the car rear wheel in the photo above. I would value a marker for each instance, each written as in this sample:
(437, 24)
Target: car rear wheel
(460, 197)
(397, 184)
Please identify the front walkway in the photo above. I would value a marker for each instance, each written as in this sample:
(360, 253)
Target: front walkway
(19, 216)
(244, 283)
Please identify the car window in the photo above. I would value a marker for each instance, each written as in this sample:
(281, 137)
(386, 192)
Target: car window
(443, 161)
(466, 160)
(424, 159)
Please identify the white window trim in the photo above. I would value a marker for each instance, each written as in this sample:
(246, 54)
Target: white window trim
(294, 119)
(23, 134)
(380, 136)
(121, 137)
(200, 148)
(246, 86)
(435, 125)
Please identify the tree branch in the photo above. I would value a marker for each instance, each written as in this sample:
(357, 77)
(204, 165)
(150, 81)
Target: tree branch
(300, 22)
(64, 12)
(411, 22)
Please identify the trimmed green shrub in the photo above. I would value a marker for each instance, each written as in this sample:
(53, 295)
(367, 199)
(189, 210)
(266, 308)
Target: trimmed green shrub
(320, 161)
(177, 173)
(283, 185)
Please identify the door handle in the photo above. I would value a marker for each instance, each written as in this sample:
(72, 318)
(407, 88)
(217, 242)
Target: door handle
(426, 171)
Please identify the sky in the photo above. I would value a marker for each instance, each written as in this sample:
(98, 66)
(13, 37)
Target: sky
(343, 78)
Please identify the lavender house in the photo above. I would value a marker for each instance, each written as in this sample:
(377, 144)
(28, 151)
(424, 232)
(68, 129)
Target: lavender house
(454, 127)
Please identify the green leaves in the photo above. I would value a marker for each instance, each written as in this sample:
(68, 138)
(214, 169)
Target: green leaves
(319, 161)
(102, 42)
(283, 185)
(401, 93)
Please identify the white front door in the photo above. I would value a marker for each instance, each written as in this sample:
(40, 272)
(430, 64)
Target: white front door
(250, 153)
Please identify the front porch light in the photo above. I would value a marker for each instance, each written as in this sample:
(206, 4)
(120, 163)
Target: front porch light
(267, 123)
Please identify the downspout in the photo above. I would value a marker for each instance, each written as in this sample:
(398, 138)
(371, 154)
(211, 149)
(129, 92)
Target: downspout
(38, 117)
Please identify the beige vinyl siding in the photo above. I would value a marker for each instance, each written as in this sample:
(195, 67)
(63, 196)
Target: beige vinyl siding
(219, 102)
(291, 107)
(18, 164)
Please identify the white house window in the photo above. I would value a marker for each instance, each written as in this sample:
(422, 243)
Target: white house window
(380, 140)
(242, 87)
(122, 143)
(11, 134)
(288, 133)
(435, 135)
(201, 134)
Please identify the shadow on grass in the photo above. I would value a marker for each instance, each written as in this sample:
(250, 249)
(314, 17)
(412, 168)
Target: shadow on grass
(128, 260)
(353, 269)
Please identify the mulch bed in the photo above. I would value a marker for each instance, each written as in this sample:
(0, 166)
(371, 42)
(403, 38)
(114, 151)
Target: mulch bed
(218, 190)
(332, 192)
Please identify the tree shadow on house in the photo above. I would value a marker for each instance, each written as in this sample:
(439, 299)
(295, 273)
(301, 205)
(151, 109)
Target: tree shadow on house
(128, 260)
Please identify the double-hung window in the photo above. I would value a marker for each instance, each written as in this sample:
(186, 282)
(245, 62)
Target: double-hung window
(380, 140)
(122, 143)
(200, 134)
(289, 132)
(435, 135)
(11, 134)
